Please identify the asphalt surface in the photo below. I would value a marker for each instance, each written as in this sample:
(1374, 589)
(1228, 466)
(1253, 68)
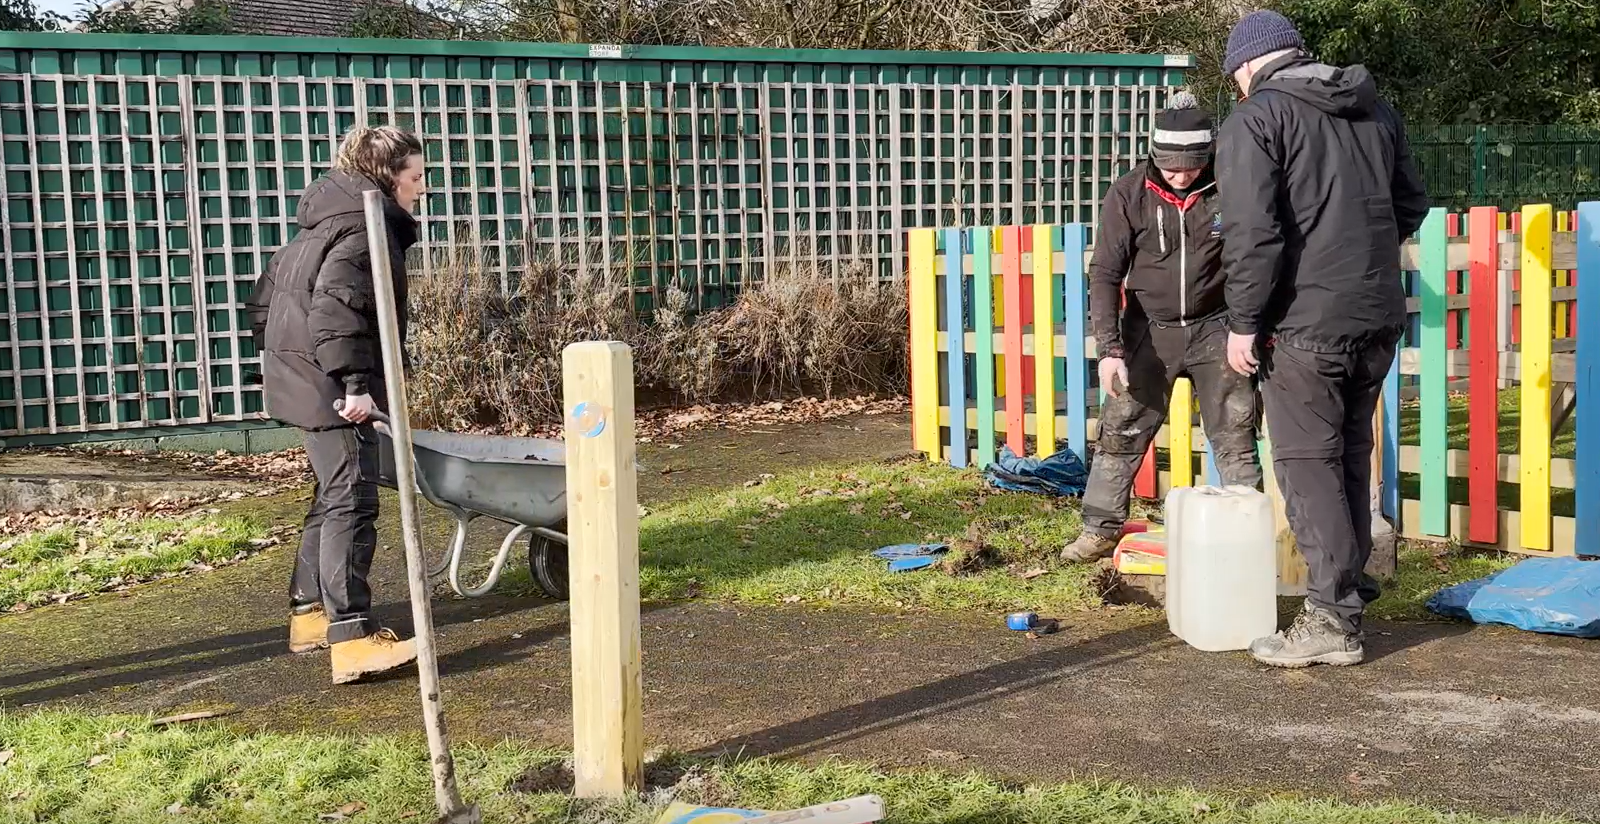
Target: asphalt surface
(1487, 720)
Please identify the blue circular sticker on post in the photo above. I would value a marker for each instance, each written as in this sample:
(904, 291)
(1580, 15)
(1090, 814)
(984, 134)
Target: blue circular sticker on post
(589, 419)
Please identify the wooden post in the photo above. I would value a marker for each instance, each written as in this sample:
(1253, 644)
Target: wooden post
(1292, 572)
(445, 795)
(1382, 563)
(603, 558)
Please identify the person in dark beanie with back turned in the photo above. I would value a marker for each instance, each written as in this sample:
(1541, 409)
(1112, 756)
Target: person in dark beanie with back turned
(1160, 242)
(1318, 191)
(315, 320)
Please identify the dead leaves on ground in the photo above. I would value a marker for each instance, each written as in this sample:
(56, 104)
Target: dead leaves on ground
(653, 426)
(662, 424)
(344, 813)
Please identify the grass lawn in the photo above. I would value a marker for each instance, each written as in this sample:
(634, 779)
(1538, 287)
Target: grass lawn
(1509, 435)
(71, 560)
(806, 537)
(1425, 569)
(1509, 432)
(71, 767)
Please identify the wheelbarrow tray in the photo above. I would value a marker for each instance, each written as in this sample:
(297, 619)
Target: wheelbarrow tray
(515, 480)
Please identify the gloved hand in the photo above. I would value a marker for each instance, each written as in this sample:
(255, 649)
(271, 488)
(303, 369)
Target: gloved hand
(357, 408)
(1114, 368)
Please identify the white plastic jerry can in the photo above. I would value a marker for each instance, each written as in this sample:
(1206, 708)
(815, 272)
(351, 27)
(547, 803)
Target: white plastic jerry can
(1222, 567)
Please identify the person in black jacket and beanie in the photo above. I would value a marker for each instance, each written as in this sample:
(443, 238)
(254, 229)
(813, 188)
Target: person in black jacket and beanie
(1160, 243)
(314, 315)
(1318, 191)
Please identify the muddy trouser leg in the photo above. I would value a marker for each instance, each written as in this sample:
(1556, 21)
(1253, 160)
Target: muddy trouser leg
(1319, 408)
(1227, 406)
(304, 587)
(345, 461)
(1128, 423)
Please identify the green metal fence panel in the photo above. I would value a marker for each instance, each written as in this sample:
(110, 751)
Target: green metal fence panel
(1469, 165)
(148, 180)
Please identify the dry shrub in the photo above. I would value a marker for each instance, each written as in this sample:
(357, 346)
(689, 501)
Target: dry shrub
(801, 330)
(684, 354)
(486, 360)
(483, 358)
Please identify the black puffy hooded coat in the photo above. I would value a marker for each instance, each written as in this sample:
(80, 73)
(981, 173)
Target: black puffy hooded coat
(314, 312)
(1318, 189)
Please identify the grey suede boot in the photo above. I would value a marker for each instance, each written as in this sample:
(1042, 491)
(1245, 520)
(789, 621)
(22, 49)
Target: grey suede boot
(1315, 637)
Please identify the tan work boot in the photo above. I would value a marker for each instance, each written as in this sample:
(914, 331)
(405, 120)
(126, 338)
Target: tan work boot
(308, 631)
(1088, 547)
(379, 652)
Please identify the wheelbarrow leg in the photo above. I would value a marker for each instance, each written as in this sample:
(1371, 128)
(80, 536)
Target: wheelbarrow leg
(458, 545)
(494, 571)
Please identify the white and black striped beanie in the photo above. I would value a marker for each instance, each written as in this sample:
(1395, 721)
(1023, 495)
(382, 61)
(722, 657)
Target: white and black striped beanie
(1183, 137)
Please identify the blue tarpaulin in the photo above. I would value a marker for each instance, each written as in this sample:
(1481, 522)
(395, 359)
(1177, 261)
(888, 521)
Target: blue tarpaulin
(1559, 596)
(1061, 475)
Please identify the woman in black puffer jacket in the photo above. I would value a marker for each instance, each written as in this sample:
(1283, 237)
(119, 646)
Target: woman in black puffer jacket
(315, 321)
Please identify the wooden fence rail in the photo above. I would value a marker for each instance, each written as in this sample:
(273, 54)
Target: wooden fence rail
(1473, 443)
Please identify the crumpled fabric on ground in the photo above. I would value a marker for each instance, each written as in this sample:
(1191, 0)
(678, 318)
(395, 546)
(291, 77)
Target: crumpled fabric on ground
(1061, 475)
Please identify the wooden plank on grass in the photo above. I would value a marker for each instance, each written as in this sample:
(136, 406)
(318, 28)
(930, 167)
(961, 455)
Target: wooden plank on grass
(1536, 374)
(1075, 314)
(1588, 384)
(1016, 389)
(955, 290)
(1391, 442)
(1292, 573)
(924, 344)
(1179, 419)
(1434, 412)
(1562, 530)
(1483, 414)
(1044, 356)
(983, 322)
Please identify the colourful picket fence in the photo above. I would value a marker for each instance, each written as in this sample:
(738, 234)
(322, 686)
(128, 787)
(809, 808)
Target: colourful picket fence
(1498, 300)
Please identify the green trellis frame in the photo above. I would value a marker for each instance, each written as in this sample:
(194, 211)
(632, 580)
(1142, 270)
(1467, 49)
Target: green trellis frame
(147, 180)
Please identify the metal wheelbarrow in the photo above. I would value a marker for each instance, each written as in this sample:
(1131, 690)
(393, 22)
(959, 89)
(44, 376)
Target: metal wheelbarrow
(520, 482)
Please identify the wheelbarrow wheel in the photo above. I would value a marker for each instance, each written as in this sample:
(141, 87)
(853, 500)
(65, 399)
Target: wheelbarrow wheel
(547, 559)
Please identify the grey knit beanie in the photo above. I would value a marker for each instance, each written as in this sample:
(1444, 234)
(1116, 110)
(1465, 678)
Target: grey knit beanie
(1259, 33)
(1183, 136)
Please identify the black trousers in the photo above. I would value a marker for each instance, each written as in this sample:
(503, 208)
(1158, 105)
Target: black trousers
(341, 531)
(1156, 356)
(1319, 414)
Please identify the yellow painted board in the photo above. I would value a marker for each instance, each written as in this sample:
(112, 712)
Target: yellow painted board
(1181, 443)
(1536, 344)
(924, 344)
(1044, 357)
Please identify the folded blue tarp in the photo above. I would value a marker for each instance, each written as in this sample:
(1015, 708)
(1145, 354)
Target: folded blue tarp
(1559, 596)
(1061, 474)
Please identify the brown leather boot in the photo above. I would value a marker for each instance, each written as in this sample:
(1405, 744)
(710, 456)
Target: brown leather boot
(379, 652)
(1089, 547)
(308, 630)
